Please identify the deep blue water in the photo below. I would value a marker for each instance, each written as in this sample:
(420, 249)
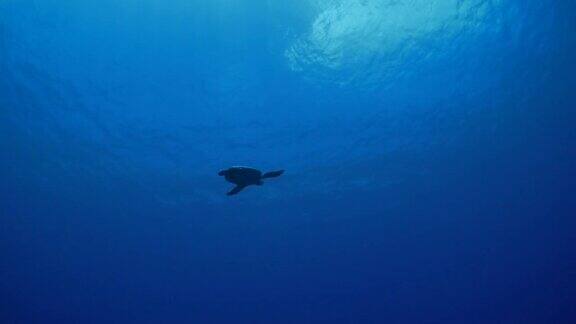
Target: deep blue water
(429, 148)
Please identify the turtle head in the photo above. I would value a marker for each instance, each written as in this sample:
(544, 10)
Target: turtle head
(222, 173)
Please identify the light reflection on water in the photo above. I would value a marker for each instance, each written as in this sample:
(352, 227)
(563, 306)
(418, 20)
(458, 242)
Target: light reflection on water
(354, 41)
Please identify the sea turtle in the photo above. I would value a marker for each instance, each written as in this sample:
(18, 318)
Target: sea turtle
(245, 176)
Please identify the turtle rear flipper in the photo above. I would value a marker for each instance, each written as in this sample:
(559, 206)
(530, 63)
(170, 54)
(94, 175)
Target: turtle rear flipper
(272, 174)
(235, 190)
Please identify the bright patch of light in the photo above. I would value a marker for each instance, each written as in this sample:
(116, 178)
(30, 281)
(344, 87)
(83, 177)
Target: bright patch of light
(350, 35)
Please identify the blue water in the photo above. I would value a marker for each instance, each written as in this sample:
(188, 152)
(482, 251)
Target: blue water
(429, 149)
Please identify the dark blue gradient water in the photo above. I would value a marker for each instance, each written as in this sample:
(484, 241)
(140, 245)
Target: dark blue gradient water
(429, 149)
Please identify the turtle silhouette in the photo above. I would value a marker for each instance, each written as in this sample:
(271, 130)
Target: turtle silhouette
(244, 176)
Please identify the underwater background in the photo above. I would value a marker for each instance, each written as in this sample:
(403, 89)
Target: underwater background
(429, 148)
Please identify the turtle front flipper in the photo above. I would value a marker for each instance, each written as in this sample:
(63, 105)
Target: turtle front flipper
(235, 190)
(272, 174)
